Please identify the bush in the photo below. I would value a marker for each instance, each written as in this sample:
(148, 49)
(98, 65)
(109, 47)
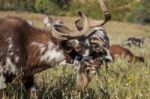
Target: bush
(121, 10)
(92, 10)
(141, 13)
(44, 6)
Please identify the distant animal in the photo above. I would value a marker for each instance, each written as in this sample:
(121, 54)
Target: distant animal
(119, 51)
(134, 41)
(47, 21)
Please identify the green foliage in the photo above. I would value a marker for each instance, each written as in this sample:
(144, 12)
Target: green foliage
(121, 10)
(27, 5)
(55, 7)
(91, 10)
(62, 4)
(141, 12)
(44, 6)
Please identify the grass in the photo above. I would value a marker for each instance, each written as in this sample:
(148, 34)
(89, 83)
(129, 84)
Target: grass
(120, 81)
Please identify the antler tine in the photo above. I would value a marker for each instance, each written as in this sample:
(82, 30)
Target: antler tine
(107, 15)
(92, 24)
(66, 33)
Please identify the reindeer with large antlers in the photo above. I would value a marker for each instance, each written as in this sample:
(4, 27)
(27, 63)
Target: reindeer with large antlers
(28, 50)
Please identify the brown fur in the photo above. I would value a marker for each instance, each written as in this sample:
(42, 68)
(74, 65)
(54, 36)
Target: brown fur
(119, 51)
(82, 77)
(23, 35)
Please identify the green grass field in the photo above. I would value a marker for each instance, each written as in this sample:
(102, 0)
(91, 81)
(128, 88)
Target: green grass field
(120, 81)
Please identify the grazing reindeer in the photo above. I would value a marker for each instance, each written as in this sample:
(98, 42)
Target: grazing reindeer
(136, 41)
(28, 50)
(118, 51)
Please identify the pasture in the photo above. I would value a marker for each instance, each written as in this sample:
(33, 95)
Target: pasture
(121, 80)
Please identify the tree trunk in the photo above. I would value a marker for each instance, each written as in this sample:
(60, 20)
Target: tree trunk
(17, 4)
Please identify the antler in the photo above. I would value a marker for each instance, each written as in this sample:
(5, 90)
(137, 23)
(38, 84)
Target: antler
(92, 24)
(62, 32)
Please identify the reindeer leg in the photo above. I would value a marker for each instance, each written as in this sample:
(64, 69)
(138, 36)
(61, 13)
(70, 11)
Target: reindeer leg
(2, 86)
(29, 85)
(2, 81)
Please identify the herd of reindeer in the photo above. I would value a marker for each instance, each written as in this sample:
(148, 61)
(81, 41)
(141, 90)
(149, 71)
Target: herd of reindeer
(26, 50)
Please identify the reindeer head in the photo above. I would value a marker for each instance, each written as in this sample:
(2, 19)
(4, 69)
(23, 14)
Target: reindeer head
(72, 39)
(97, 37)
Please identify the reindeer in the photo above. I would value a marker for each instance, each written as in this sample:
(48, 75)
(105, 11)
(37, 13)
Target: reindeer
(136, 41)
(28, 50)
(119, 51)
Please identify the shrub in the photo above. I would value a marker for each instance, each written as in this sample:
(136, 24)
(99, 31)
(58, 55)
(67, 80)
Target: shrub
(140, 12)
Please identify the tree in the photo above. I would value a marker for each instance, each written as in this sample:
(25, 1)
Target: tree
(63, 4)
(141, 12)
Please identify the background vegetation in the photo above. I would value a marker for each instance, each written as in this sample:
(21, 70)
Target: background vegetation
(121, 10)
